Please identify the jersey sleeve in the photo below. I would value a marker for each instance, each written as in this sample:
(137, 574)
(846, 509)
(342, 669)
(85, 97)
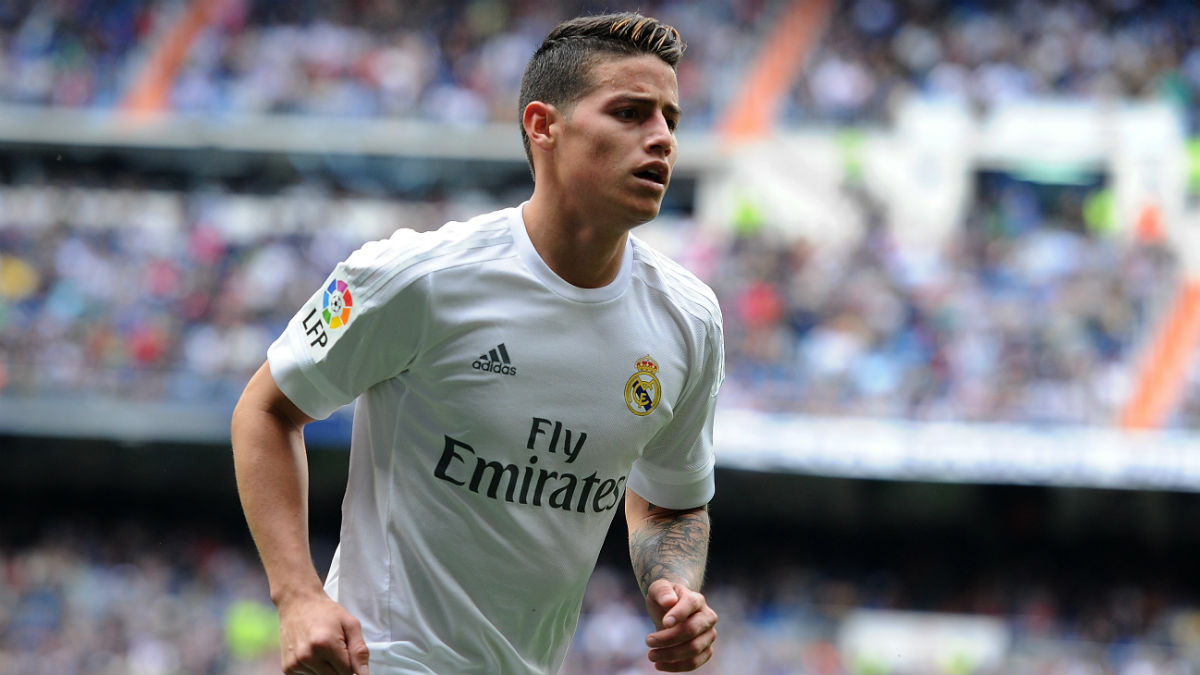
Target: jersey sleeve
(675, 470)
(361, 327)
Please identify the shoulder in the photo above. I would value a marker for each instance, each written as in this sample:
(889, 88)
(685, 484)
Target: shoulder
(675, 283)
(409, 254)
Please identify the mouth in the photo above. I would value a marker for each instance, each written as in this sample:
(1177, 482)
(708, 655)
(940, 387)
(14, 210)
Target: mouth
(653, 173)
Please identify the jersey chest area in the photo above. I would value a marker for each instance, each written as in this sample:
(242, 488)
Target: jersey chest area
(555, 381)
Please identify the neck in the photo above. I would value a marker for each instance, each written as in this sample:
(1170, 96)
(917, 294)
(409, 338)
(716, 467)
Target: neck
(584, 252)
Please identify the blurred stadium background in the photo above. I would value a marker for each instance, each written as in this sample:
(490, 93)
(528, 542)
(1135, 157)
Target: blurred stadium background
(954, 243)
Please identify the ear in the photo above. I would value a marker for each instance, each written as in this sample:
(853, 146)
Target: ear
(537, 120)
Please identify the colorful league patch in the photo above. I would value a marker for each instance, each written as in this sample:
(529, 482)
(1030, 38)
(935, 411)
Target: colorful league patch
(338, 302)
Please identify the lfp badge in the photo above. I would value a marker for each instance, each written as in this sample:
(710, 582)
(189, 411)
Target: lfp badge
(643, 391)
(338, 302)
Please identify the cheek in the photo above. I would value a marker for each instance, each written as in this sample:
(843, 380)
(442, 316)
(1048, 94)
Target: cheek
(600, 148)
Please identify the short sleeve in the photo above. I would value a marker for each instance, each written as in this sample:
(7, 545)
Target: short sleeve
(361, 327)
(676, 469)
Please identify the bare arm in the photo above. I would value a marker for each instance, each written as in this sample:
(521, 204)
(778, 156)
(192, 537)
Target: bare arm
(666, 544)
(669, 551)
(272, 479)
(271, 465)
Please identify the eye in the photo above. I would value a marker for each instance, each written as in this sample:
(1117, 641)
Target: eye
(626, 113)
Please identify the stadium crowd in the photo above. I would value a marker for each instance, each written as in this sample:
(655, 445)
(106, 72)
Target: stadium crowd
(130, 597)
(461, 61)
(148, 295)
(989, 52)
(91, 597)
(116, 287)
(175, 293)
(458, 62)
(1027, 315)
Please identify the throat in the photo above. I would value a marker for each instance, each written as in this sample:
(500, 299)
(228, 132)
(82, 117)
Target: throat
(589, 266)
(583, 250)
(581, 262)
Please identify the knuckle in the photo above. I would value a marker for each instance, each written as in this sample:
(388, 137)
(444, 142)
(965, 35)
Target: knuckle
(293, 664)
(302, 655)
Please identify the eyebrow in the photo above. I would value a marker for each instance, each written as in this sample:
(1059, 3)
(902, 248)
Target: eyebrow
(647, 100)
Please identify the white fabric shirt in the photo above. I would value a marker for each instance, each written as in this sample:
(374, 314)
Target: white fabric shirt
(501, 413)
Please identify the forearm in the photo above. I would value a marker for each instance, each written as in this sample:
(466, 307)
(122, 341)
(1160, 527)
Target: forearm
(271, 469)
(668, 544)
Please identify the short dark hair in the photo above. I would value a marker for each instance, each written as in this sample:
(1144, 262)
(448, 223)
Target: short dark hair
(559, 73)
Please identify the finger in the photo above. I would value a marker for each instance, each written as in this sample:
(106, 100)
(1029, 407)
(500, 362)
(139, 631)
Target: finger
(295, 666)
(326, 660)
(315, 666)
(689, 629)
(685, 606)
(685, 665)
(685, 651)
(689, 606)
(360, 655)
(663, 594)
(298, 669)
(331, 667)
(695, 630)
(338, 660)
(360, 659)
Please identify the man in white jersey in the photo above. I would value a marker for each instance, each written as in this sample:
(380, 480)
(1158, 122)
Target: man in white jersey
(515, 377)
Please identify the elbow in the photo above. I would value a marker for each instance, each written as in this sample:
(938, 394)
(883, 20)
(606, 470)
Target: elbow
(263, 405)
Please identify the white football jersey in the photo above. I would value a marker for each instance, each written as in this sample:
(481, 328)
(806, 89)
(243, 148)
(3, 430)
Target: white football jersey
(501, 414)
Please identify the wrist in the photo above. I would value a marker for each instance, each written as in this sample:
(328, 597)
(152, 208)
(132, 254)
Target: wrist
(669, 580)
(289, 593)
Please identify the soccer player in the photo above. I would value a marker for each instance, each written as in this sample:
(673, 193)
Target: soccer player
(516, 377)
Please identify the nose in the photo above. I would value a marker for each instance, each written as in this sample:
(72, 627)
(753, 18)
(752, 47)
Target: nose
(660, 140)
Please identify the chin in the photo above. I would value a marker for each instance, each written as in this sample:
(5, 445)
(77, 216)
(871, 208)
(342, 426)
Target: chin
(632, 212)
(643, 217)
(645, 213)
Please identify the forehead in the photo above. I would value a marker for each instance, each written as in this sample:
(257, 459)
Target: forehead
(643, 76)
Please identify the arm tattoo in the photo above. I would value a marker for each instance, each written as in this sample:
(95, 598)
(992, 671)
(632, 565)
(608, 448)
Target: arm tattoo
(670, 545)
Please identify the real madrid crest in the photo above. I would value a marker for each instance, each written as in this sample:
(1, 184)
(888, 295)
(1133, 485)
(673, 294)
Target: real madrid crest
(643, 391)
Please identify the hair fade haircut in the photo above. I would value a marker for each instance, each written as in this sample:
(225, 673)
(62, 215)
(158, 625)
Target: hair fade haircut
(559, 73)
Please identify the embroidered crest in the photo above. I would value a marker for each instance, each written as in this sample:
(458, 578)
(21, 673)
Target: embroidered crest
(643, 391)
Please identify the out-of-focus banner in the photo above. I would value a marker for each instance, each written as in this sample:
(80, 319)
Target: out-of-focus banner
(1069, 456)
(885, 449)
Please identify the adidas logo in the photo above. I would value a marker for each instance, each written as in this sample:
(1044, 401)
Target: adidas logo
(495, 361)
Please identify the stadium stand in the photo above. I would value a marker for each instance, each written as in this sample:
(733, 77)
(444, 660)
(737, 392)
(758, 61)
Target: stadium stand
(989, 53)
(144, 294)
(140, 274)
